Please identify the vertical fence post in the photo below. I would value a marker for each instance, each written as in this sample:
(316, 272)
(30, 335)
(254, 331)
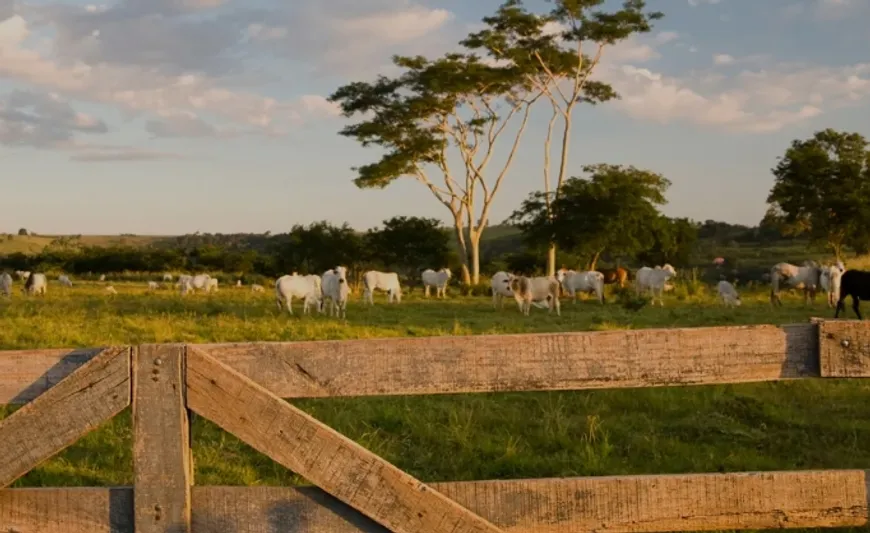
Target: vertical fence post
(161, 440)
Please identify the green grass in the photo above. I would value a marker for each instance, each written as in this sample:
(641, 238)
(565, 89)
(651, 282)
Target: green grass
(770, 426)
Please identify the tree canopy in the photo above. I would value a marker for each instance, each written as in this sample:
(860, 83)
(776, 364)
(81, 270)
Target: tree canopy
(408, 244)
(821, 188)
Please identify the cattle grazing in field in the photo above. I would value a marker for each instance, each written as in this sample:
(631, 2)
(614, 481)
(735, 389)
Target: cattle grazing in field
(238, 283)
(616, 275)
(439, 280)
(202, 282)
(336, 290)
(257, 288)
(6, 284)
(807, 277)
(541, 292)
(64, 280)
(111, 290)
(152, 286)
(728, 294)
(22, 275)
(501, 288)
(574, 282)
(381, 281)
(830, 279)
(289, 287)
(185, 283)
(854, 283)
(167, 277)
(211, 285)
(654, 280)
(36, 283)
(102, 277)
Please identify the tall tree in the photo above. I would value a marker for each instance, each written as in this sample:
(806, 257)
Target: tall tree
(615, 209)
(558, 53)
(673, 241)
(455, 102)
(821, 188)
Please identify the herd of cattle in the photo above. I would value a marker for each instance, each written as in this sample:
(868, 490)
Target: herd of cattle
(329, 292)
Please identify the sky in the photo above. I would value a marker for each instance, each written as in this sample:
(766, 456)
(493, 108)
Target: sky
(177, 116)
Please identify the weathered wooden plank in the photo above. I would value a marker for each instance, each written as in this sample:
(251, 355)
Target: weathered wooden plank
(559, 361)
(625, 504)
(844, 348)
(25, 374)
(88, 397)
(161, 440)
(67, 510)
(315, 451)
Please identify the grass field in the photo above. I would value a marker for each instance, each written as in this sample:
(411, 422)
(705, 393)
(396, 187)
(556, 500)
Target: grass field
(770, 426)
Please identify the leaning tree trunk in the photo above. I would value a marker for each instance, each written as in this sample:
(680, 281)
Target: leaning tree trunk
(463, 250)
(551, 260)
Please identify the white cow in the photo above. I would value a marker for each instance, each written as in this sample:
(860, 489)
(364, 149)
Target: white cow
(201, 282)
(501, 288)
(830, 281)
(654, 281)
(152, 286)
(102, 277)
(335, 289)
(22, 274)
(806, 277)
(541, 292)
(111, 290)
(257, 288)
(64, 280)
(439, 280)
(728, 294)
(588, 282)
(185, 283)
(383, 281)
(211, 285)
(167, 277)
(292, 286)
(35, 284)
(6, 284)
(238, 283)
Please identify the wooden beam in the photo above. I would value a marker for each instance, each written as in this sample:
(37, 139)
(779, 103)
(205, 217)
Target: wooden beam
(844, 348)
(554, 361)
(88, 397)
(25, 374)
(161, 440)
(315, 451)
(625, 504)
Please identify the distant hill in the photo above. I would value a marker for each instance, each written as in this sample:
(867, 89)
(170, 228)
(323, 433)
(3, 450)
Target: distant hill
(33, 244)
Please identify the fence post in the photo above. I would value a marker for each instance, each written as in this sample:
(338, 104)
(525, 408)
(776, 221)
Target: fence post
(161, 440)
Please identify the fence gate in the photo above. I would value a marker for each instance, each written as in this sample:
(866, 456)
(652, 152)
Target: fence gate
(240, 388)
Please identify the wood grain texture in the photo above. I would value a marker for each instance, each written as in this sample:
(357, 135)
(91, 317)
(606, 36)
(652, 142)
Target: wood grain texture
(161, 440)
(88, 397)
(25, 374)
(315, 451)
(560, 361)
(629, 504)
(844, 348)
(67, 510)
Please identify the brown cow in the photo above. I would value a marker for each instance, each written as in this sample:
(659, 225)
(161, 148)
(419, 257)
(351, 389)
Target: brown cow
(614, 275)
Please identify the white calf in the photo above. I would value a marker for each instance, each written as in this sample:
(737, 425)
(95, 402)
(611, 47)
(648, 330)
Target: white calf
(654, 281)
(587, 282)
(536, 291)
(501, 288)
(438, 280)
(289, 287)
(830, 282)
(728, 294)
(6, 284)
(382, 281)
(335, 289)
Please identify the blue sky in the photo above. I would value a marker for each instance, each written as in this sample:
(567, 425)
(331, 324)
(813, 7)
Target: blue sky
(173, 116)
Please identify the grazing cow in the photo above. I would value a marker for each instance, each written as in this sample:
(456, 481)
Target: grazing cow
(153, 286)
(102, 277)
(438, 280)
(167, 277)
(257, 288)
(854, 283)
(382, 281)
(335, 289)
(807, 277)
(211, 285)
(830, 279)
(22, 275)
(111, 290)
(292, 286)
(36, 284)
(501, 288)
(185, 283)
(654, 281)
(616, 275)
(64, 280)
(574, 282)
(238, 283)
(6, 284)
(536, 291)
(728, 294)
(200, 282)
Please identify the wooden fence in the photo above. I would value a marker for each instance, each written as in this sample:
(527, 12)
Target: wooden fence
(240, 387)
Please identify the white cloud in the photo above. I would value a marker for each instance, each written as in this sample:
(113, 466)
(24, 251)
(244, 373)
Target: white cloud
(43, 120)
(723, 59)
(667, 36)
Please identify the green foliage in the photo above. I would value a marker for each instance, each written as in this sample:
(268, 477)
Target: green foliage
(821, 188)
(614, 209)
(673, 241)
(408, 244)
(23, 232)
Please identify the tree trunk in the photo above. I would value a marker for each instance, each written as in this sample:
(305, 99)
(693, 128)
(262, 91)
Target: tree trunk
(594, 260)
(474, 237)
(551, 260)
(463, 249)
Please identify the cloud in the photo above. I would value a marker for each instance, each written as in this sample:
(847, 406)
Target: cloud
(43, 120)
(696, 3)
(122, 153)
(667, 36)
(723, 59)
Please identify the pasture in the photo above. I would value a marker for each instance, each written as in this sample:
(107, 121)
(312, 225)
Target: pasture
(769, 426)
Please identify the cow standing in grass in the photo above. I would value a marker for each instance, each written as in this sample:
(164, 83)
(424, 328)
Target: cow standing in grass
(807, 277)
(854, 283)
(36, 283)
(439, 280)
(541, 292)
(728, 294)
(500, 285)
(6, 284)
(293, 286)
(654, 280)
(574, 282)
(381, 281)
(336, 290)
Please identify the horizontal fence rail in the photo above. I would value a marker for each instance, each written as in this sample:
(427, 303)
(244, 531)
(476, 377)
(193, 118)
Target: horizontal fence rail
(240, 387)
